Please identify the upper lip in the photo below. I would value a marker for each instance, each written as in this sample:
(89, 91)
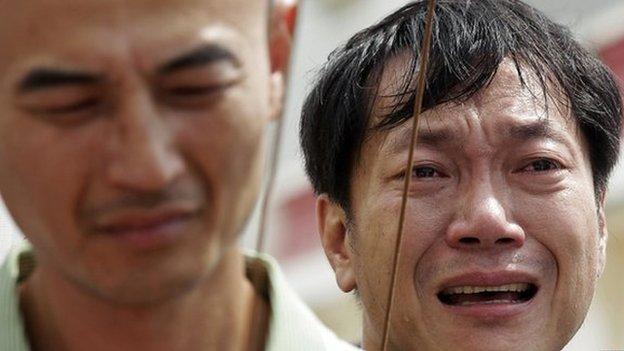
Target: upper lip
(141, 218)
(485, 278)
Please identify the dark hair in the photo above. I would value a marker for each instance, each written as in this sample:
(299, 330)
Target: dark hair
(470, 40)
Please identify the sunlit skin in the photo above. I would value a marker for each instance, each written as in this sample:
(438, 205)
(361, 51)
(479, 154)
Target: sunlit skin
(121, 118)
(498, 185)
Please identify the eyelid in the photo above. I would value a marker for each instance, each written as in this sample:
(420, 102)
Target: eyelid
(440, 169)
(52, 109)
(214, 74)
(71, 115)
(436, 168)
(72, 108)
(57, 96)
(193, 90)
(559, 164)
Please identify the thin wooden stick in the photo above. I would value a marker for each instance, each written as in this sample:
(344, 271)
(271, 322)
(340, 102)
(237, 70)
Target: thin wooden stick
(420, 91)
(266, 200)
(259, 326)
(274, 161)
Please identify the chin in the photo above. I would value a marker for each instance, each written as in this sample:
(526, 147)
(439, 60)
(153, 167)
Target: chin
(150, 282)
(496, 340)
(146, 292)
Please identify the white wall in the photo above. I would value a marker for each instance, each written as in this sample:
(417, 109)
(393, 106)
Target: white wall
(9, 233)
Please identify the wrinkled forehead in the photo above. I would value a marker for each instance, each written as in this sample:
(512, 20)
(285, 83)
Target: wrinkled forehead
(507, 106)
(514, 90)
(77, 29)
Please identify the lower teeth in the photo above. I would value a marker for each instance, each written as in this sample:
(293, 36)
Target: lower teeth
(490, 302)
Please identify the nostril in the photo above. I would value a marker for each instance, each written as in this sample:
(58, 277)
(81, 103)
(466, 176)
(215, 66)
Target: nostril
(505, 241)
(469, 240)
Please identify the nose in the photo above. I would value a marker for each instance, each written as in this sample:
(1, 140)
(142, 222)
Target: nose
(483, 223)
(143, 154)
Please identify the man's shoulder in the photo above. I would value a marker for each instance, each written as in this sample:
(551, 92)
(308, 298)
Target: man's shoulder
(293, 325)
(12, 335)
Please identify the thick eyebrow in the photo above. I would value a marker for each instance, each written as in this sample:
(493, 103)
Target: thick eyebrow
(426, 136)
(44, 78)
(541, 129)
(201, 56)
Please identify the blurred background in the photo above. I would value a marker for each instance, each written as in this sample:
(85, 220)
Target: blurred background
(293, 238)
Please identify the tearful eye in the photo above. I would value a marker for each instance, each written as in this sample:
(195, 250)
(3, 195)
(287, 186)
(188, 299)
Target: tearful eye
(425, 172)
(542, 165)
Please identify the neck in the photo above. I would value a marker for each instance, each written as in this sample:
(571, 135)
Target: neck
(215, 315)
(372, 336)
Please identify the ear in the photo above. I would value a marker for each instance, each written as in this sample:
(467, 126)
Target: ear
(332, 223)
(281, 31)
(603, 232)
(276, 92)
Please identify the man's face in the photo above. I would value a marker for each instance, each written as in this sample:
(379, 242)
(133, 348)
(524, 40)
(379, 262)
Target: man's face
(503, 238)
(131, 135)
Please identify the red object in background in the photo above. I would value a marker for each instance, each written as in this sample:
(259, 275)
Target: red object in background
(613, 56)
(298, 233)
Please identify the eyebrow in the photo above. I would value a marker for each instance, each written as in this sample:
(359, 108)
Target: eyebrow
(44, 78)
(540, 129)
(426, 136)
(201, 56)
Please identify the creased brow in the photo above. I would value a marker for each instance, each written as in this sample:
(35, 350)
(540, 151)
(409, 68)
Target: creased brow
(541, 129)
(426, 136)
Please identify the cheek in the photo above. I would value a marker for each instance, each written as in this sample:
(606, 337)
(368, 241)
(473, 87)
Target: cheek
(567, 226)
(373, 240)
(227, 147)
(376, 238)
(43, 171)
(425, 239)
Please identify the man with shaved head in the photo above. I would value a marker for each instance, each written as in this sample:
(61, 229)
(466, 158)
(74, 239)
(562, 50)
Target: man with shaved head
(505, 232)
(131, 137)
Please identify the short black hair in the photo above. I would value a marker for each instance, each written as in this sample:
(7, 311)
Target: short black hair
(470, 40)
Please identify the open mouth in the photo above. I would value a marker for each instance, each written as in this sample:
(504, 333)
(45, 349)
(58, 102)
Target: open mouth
(486, 295)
